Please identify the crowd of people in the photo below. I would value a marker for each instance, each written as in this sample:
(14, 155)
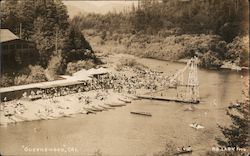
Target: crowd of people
(141, 78)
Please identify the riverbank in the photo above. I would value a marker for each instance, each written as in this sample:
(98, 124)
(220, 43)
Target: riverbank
(116, 131)
(64, 106)
(212, 51)
(127, 78)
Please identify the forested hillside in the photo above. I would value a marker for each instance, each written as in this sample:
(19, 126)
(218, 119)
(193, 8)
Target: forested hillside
(57, 39)
(223, 22)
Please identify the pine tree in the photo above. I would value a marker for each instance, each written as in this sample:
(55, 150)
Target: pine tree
(10, 16)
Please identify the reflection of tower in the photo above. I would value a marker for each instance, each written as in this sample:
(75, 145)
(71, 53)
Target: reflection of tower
(193, 84)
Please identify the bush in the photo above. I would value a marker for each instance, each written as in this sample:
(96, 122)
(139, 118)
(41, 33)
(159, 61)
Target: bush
(36, 74)
(54, 66)
(238, 49)
(128, 62)
(21, 80)
(209, 60)
(6, 80)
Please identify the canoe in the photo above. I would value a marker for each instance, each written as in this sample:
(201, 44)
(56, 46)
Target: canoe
(116, 105)
(132, 97)
(40, 116)
(183, 152)
(68, 115)
(90, 112)
(83, 112)
(142, 113)
(21, 117)
(106, 107)
(96, 109)
(124, 100)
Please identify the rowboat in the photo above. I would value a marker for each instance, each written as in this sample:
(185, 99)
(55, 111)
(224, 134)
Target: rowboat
(142, 113)
(124, 100)
(183, 152)
(116, 105)
(105, 107)
(90, 112)
(96, 109)
(196, 126)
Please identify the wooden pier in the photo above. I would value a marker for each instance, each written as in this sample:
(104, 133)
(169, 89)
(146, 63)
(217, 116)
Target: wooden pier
(167, 99)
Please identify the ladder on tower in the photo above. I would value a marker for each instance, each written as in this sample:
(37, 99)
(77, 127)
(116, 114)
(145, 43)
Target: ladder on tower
(190, 90)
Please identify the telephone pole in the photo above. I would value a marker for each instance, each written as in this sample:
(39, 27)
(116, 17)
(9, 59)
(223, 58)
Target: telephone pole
(20, 31)
(56, 44)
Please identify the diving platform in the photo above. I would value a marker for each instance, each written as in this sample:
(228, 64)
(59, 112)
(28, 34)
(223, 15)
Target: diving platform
(167, 99)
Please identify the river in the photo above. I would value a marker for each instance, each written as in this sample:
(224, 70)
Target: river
(117, 132)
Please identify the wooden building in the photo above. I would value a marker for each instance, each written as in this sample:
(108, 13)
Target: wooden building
(16, 51)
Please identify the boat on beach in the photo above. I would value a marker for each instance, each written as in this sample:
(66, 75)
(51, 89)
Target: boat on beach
(124, 100)
(116, 105)
(20, 117)
(105, 107)
(142, 113)
(97, 108)
(90, 111)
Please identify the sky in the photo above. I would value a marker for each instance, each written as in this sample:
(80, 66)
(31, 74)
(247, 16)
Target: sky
(102, 7)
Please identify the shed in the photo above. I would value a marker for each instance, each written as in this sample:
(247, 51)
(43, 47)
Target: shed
(16, 51)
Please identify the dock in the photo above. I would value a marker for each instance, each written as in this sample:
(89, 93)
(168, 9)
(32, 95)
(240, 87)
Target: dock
(167, 99)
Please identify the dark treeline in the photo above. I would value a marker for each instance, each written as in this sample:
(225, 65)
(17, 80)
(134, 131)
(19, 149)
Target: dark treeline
(45, 23)
(41, 21)
(227, 19)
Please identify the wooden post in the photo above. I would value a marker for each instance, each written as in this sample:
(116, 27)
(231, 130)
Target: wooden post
(56, 45)
(20, 31)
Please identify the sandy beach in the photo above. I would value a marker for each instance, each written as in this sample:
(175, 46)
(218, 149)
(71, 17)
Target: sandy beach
(124, 84)
(63, 106)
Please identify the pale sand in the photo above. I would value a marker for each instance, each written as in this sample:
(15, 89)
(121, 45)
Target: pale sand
(63, 106)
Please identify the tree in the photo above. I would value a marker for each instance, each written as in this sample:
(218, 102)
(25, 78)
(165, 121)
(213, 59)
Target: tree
(42, 21)
(210, 60)
(76, 46)
(237, 135)
(10, 16)
(27, 16)
(238, 49)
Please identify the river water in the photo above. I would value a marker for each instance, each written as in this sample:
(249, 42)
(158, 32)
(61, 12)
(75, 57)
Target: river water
(117, 132)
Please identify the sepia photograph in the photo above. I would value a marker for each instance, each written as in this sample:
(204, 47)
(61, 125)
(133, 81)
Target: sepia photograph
(124, 78)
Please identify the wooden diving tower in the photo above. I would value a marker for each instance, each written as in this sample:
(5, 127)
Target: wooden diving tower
(186, 92)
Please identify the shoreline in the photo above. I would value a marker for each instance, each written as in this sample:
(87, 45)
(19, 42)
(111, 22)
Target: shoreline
(64, 106)
(126, 83)
(116, 89)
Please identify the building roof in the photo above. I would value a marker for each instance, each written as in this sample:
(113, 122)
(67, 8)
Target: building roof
(7, 35)
(90, 72)
(98, 71)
